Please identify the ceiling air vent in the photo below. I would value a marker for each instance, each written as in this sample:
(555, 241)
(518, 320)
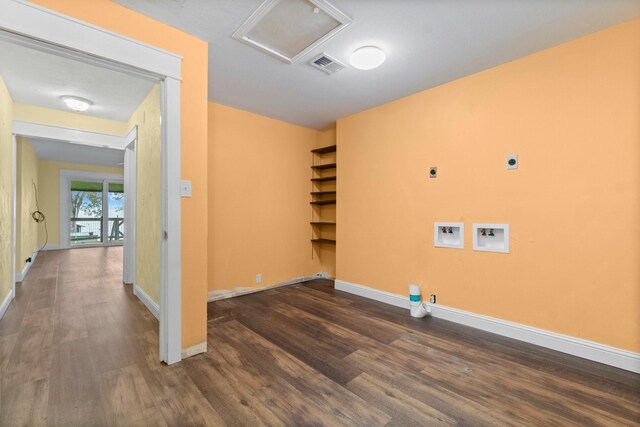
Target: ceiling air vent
(326, 63)
(290, 29)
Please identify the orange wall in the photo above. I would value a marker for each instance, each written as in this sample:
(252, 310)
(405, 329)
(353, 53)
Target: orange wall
(572, 114)
(114, 17)
(259, 170)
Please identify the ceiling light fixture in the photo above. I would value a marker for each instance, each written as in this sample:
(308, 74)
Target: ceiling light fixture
(77, 104)
(367, 58)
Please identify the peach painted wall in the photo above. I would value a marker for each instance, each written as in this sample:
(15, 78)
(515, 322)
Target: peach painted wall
(572, 114)
(259, 209)
(194, 52)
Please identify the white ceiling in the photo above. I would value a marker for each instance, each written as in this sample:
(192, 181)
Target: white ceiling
(61, 151)
(428, 42)
(41, 78)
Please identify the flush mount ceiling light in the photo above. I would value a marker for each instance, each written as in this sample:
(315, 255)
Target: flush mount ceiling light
(367, 58)
(77, 104)
(289, 29)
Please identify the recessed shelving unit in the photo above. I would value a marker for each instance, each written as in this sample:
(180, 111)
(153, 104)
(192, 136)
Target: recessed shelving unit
(324, 179)
(325, 150)
(323, 202)
(329, 241)
(325, 166)
(323, 194)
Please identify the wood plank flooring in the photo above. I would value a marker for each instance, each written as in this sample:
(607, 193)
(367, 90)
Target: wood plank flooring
(77, 348)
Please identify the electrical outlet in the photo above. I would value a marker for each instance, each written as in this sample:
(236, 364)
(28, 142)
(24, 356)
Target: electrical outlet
(432, 299)
(259, 278)
(433, 172)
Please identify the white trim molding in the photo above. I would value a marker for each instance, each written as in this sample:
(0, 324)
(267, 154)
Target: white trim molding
(221, 294)
(374, 294)
(22, 274)
(40, 28)
(52, 247)
(579, 347)
(20, 17)
(194, 349)
(5, 303)
(153, 307)
(68, 175)
(70, 135)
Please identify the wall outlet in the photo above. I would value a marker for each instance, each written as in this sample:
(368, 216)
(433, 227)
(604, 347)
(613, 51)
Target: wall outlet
(432, 299)
(259, 278)
(433, 172)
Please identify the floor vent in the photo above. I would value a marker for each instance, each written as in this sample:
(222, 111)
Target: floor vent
(326, 63)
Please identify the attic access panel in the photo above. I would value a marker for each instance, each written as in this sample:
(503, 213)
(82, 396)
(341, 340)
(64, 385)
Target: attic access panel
(289, 29)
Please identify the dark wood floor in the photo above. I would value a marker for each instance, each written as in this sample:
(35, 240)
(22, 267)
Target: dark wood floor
(77, 348)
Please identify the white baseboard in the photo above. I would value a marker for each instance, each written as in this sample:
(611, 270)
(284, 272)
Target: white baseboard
(54, 247)
(218, 295)
(153, 307)
(590, 350)
(374, 294)
(5, 303)
(22, 274)
(194, 349)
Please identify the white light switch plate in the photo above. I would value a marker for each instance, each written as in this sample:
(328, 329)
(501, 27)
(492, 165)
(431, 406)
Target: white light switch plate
(185, 188)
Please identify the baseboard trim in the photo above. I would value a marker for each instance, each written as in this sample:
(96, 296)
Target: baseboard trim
(51, 247)
(5, 303)
(194, 349)
(147, 301)
(579, 347)
(218, 295)
(21, 275)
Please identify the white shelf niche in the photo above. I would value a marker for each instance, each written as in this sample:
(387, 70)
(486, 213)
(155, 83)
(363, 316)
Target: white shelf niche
(448, 235)
(491, 238)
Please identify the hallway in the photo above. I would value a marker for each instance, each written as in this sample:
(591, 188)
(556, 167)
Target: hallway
(78, 348)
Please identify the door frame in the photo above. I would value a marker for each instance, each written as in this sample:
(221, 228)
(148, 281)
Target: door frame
(70, 37)
(68, 175)
(130, 179)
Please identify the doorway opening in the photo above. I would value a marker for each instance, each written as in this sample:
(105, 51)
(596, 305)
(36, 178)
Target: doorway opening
(66, 38)
(96, 212)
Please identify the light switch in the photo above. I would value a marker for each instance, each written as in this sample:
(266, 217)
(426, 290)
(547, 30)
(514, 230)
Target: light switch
(185, 188)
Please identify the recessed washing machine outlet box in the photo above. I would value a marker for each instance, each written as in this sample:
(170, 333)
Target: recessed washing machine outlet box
(448, 235)
(491, 238)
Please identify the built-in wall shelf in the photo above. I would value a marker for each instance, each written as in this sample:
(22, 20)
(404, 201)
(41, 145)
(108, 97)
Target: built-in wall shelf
(325, 166)
(325, 150)
(323, 187)
(330, 241)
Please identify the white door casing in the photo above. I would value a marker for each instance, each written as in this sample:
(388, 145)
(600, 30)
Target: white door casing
(71, 37)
